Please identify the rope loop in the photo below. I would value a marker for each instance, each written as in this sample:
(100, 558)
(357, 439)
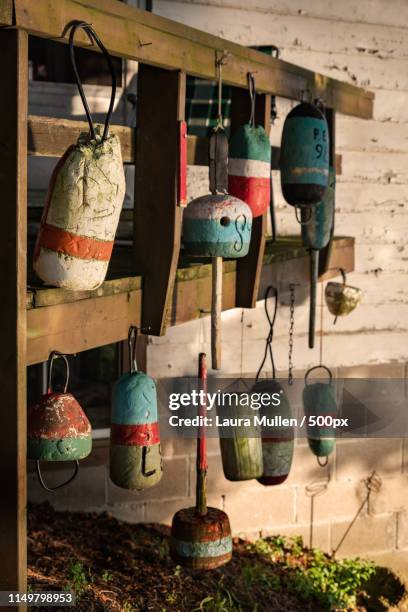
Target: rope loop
(270, 292)
(93, 37)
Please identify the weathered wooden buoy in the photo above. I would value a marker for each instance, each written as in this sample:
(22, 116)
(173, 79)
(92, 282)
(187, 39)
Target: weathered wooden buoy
(201, 536)
(277, 447)
(342, 299)
(317, 229)
(320, 408)
(241, 444)
(135, 450)
(84, 200)
(58, 429)
(217, 225)
(249, 167)
(304, 157)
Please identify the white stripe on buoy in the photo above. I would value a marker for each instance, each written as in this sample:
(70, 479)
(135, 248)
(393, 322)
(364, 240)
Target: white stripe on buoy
(249, 167)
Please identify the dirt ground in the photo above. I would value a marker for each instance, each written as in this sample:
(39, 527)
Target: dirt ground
(116, 566)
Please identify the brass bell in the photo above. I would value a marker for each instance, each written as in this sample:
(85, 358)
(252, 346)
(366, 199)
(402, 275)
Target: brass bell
(341, 299)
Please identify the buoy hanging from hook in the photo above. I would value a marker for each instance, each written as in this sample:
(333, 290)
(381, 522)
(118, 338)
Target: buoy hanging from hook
(320, 408)
(217, 225)
(84, 199)
(58, 429)
(304, 157)
(249, 165)
(135, 450)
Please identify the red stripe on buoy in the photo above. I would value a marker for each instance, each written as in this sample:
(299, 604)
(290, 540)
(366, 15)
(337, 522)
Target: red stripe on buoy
(83, 247)
(256, 192)
(135, 435)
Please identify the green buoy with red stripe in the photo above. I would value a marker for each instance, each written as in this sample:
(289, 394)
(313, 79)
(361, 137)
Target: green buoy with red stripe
(135, 450)
(249, 164)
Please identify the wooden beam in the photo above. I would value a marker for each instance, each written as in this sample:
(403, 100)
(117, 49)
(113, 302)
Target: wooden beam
(78, 326)
(56, 322)
(6, 13)
(157, 215)
(13, 188)
(50, 137)
(131, 33)
(249, 268)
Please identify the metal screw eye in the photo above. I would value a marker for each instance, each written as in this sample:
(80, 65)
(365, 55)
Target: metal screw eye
(225, 221)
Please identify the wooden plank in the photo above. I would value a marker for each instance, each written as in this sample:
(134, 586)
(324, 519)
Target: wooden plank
(157, 216)
(51, 137)
(50, 296)
(79, 326)
(6, 13)
(249, 268)
(88, 323)
(13, 431)
(135, 34)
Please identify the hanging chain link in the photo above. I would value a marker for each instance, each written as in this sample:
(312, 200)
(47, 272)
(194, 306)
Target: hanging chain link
(291, 331)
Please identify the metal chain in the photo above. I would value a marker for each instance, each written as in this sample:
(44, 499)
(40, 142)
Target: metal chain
(291, 331)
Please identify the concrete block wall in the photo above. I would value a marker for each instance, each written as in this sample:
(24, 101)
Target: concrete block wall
(338, 490)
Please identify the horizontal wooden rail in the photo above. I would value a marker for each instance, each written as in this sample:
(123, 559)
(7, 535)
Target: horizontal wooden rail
(132, 33)
(50, 137)
(76, 321)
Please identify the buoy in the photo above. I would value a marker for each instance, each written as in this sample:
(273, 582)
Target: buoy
(84, 200)
(316, 234)
(320, 408)
(304, 156)
(277, 449)
(201, 536)
(217, 225)
(240, 442)
(249, 164)
(58, 429)
(342, 299)
(135, 450)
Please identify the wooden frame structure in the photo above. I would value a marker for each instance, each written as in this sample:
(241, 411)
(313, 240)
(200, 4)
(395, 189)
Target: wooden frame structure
(39, 320)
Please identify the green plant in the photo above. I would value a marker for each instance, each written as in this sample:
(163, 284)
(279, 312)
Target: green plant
(334, 584)
(78, 580)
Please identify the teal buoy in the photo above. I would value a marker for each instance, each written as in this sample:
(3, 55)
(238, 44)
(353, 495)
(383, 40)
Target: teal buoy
(320, 408)
(304, 158)
(316, 234)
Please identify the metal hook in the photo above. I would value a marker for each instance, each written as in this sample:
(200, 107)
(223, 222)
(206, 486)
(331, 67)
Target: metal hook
(306, 95)
(252, 95)
(63, 484)
(92, 35)
(220, 61)
(319, 367)
(54, 355)
(132, 342)
(299, 219)
(323, 461)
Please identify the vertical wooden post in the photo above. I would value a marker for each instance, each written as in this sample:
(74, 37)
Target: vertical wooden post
(324, 254)
(13, 189)
(249, 268)
(157, 214)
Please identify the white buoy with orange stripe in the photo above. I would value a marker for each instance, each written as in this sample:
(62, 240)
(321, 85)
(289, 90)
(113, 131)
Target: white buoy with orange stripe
(84, 201)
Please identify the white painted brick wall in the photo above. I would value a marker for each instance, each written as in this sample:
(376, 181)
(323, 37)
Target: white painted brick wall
(363, 43)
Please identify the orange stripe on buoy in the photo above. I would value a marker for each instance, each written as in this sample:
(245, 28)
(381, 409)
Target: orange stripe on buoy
(83, 247)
